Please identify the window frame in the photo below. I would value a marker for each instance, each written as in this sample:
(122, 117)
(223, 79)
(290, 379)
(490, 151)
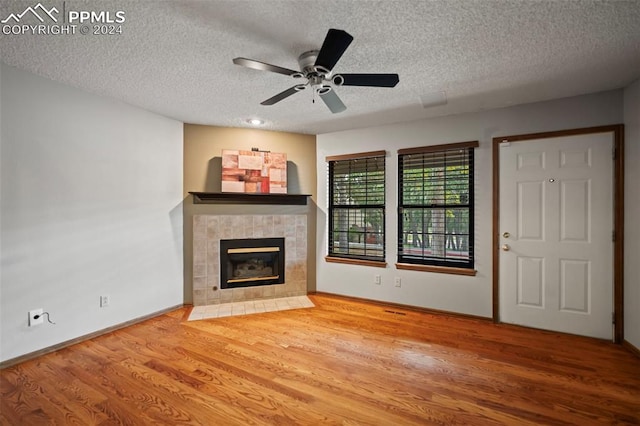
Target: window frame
(443, 263)
(333, 255)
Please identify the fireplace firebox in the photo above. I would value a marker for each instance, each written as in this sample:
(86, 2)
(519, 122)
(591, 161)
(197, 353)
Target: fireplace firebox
(251, 262)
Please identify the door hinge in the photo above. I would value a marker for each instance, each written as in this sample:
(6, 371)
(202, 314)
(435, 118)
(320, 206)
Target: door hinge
(613, 317)
(613, 153)
(613, 236)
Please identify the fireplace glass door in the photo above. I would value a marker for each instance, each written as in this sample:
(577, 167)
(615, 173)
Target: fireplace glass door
(251, 262)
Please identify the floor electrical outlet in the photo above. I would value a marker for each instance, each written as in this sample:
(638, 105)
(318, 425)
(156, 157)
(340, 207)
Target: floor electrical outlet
(32, 317)
(104, 301)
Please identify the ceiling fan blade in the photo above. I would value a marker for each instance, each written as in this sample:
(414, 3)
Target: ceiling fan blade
(282, 95)
(371, 80)
(332, 101)
(334, 45)
(257, 65)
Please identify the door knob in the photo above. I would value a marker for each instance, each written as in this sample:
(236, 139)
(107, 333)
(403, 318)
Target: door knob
(505, 247)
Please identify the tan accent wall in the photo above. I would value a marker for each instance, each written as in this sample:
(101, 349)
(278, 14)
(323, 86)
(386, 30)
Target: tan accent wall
(203, 147)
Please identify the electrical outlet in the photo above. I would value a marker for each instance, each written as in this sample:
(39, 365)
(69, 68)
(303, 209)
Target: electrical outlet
(104, 301)
(398, 281)
(32, 317)
(377, 279)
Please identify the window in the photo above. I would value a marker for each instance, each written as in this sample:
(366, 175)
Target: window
(356, 206)
(435, 197)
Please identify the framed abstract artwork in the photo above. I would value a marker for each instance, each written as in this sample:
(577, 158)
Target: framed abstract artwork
(260, 172)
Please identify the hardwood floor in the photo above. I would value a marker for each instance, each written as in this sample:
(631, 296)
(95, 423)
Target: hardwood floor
(344, 362)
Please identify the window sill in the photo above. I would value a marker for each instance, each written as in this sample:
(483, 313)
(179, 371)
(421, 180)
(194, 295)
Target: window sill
(360, 262)
(437, 269)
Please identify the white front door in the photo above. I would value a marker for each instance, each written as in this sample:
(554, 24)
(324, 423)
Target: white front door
(556, 234)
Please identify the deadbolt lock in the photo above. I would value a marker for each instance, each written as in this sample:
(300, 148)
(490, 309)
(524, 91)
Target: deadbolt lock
(506, 235)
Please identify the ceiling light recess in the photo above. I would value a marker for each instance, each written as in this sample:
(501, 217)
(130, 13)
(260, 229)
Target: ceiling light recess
(255, 121)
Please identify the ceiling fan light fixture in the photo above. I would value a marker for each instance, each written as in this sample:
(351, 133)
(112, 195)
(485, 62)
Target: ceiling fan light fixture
(323, 90)
(322, 70)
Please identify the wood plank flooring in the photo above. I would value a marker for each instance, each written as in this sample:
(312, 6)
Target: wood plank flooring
(344, 362)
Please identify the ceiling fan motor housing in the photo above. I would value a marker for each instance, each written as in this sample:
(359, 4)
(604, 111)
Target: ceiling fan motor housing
(307, 62)
(317, 75)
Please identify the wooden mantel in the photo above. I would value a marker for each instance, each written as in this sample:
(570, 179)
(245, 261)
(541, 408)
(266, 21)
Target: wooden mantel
(243, 198)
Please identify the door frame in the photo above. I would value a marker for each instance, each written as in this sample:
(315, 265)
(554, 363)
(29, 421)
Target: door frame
(618, 215)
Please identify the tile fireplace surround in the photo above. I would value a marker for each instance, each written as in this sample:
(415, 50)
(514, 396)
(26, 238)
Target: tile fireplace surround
(208, 230)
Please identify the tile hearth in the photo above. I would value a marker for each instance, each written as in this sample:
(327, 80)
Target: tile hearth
(249, 307)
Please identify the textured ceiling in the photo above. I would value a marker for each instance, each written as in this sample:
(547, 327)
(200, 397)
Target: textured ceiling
(175, 57)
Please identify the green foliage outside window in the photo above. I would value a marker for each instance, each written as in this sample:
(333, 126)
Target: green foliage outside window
(435, 215)
(356, 208)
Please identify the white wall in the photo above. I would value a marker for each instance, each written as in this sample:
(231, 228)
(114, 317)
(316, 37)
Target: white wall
(462, 294)
(91, 193)
(632, 215)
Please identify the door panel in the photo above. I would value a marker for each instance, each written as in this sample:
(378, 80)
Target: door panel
(556, 223)
(530, 281)
(575, 200)
(530, 211)
(575, 285)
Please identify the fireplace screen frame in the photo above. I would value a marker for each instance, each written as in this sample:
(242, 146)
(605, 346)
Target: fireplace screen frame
(240, 246)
